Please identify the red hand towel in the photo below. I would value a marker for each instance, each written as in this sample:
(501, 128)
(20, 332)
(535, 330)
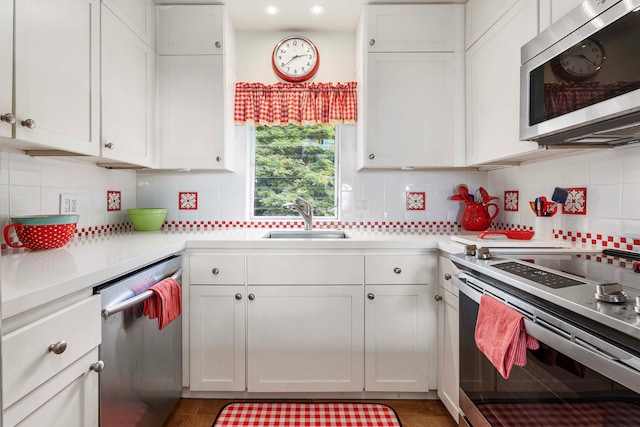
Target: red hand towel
(501, 336)
(165, 303)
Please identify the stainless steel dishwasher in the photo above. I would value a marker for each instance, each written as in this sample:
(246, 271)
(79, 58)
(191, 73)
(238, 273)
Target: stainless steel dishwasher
(142, 376)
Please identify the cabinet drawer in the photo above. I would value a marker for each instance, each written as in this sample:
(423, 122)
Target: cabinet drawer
(400, 269)
(447, 270)
(214, 269)
(305, 269)
(26, 358)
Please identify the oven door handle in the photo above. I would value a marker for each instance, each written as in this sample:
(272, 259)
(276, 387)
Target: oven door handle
(126, 304)
(596, 359)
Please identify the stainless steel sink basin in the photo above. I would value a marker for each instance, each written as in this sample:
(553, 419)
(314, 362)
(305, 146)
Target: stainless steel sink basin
(306, 234)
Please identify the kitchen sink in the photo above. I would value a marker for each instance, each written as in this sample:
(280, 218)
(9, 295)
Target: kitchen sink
(306, 234)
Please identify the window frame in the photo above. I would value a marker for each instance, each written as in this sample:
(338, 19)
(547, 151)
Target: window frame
(251, 165)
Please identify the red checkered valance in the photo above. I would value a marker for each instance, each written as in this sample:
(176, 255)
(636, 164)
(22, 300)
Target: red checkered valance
(305, 104)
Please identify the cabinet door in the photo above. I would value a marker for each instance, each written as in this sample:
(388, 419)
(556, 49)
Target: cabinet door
(191, 111)
(138, 15)
(552, 10)
(493, 87)
(305, 338)
(68, 399)
(190, 30)
(56, 76)
(217, 338)
(6, 67)
(128, 85)
(413, 28)
(414, 110)
(448, 352)
(400, 338)
(482, 14)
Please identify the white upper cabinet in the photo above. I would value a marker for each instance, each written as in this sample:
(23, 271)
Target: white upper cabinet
(411, 28)
(481, 15)
(6, 68)
(493, 86)
(138, 15)
(552, 10)
(410, 68)
(128, 86)
(196, 85)
(191, 30)
(56, 79)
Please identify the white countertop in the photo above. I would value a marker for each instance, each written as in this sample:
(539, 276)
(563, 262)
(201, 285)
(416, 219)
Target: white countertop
(30, 279)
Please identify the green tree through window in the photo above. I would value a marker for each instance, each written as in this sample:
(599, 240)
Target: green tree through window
(294, 161)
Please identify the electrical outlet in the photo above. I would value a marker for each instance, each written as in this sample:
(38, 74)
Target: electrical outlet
(68, 204)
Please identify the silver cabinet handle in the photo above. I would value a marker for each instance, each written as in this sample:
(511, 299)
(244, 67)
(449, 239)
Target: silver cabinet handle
(29, 123)
(215, 271)
(58, 348)
(447, 276)
(8, 118)
(238, 296)
(97, 366)
(438, 298)
(252, 297)
(218, 45)
(218, 158)
(371, 296)
(109, 146)
(397, 270)
(372, 156)
(372, 42)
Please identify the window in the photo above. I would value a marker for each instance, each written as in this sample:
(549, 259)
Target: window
(294, 161)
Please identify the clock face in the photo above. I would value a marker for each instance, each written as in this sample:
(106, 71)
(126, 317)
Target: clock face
(295, 59)
(581, 61)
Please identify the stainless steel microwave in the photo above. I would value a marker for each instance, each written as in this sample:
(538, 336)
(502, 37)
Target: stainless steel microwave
(580, 78)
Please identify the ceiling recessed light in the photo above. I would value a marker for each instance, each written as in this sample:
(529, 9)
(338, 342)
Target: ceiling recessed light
(317, 9)
(271, 10)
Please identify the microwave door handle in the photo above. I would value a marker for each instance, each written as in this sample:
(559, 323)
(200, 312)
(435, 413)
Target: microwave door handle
(126, 304)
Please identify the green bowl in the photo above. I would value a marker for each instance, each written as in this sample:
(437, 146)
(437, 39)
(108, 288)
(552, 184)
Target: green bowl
(44, 219)
(147, 219)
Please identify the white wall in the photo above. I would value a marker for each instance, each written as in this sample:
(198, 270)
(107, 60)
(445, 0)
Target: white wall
(254, 50)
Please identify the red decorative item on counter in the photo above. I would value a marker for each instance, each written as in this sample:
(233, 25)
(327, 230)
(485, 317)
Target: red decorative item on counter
(476, 216)
(36, 237)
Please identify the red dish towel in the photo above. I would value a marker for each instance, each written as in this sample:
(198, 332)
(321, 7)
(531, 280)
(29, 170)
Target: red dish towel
(501, 336)
(165, 303)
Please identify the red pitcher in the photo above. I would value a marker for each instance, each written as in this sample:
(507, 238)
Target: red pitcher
(476, 215)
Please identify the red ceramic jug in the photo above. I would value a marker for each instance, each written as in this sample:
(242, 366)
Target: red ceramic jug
(476, 216)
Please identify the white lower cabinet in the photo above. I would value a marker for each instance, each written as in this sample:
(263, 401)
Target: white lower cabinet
(265, 322)
(448, 342)
(49, 367)
(217, 331)
(305, 338)
(399, 329)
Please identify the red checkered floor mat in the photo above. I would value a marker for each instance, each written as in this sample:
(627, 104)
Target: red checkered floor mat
(584, 414)
(262, 414)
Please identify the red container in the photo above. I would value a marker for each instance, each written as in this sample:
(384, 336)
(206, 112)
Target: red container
(37, 237)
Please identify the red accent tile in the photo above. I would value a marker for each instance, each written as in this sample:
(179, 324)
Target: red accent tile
(511, 200)
(188, 200)
(114, 200)
(576, 203)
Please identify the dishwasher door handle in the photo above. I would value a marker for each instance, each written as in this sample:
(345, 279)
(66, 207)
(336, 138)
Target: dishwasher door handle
(117, 308)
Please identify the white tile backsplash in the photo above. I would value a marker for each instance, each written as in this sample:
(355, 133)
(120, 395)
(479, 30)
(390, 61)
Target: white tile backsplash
(32, 186)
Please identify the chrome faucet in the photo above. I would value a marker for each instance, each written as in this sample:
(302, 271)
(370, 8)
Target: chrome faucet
(304, 208)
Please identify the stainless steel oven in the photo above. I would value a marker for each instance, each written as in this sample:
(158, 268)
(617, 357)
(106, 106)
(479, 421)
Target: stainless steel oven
(587, 369)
